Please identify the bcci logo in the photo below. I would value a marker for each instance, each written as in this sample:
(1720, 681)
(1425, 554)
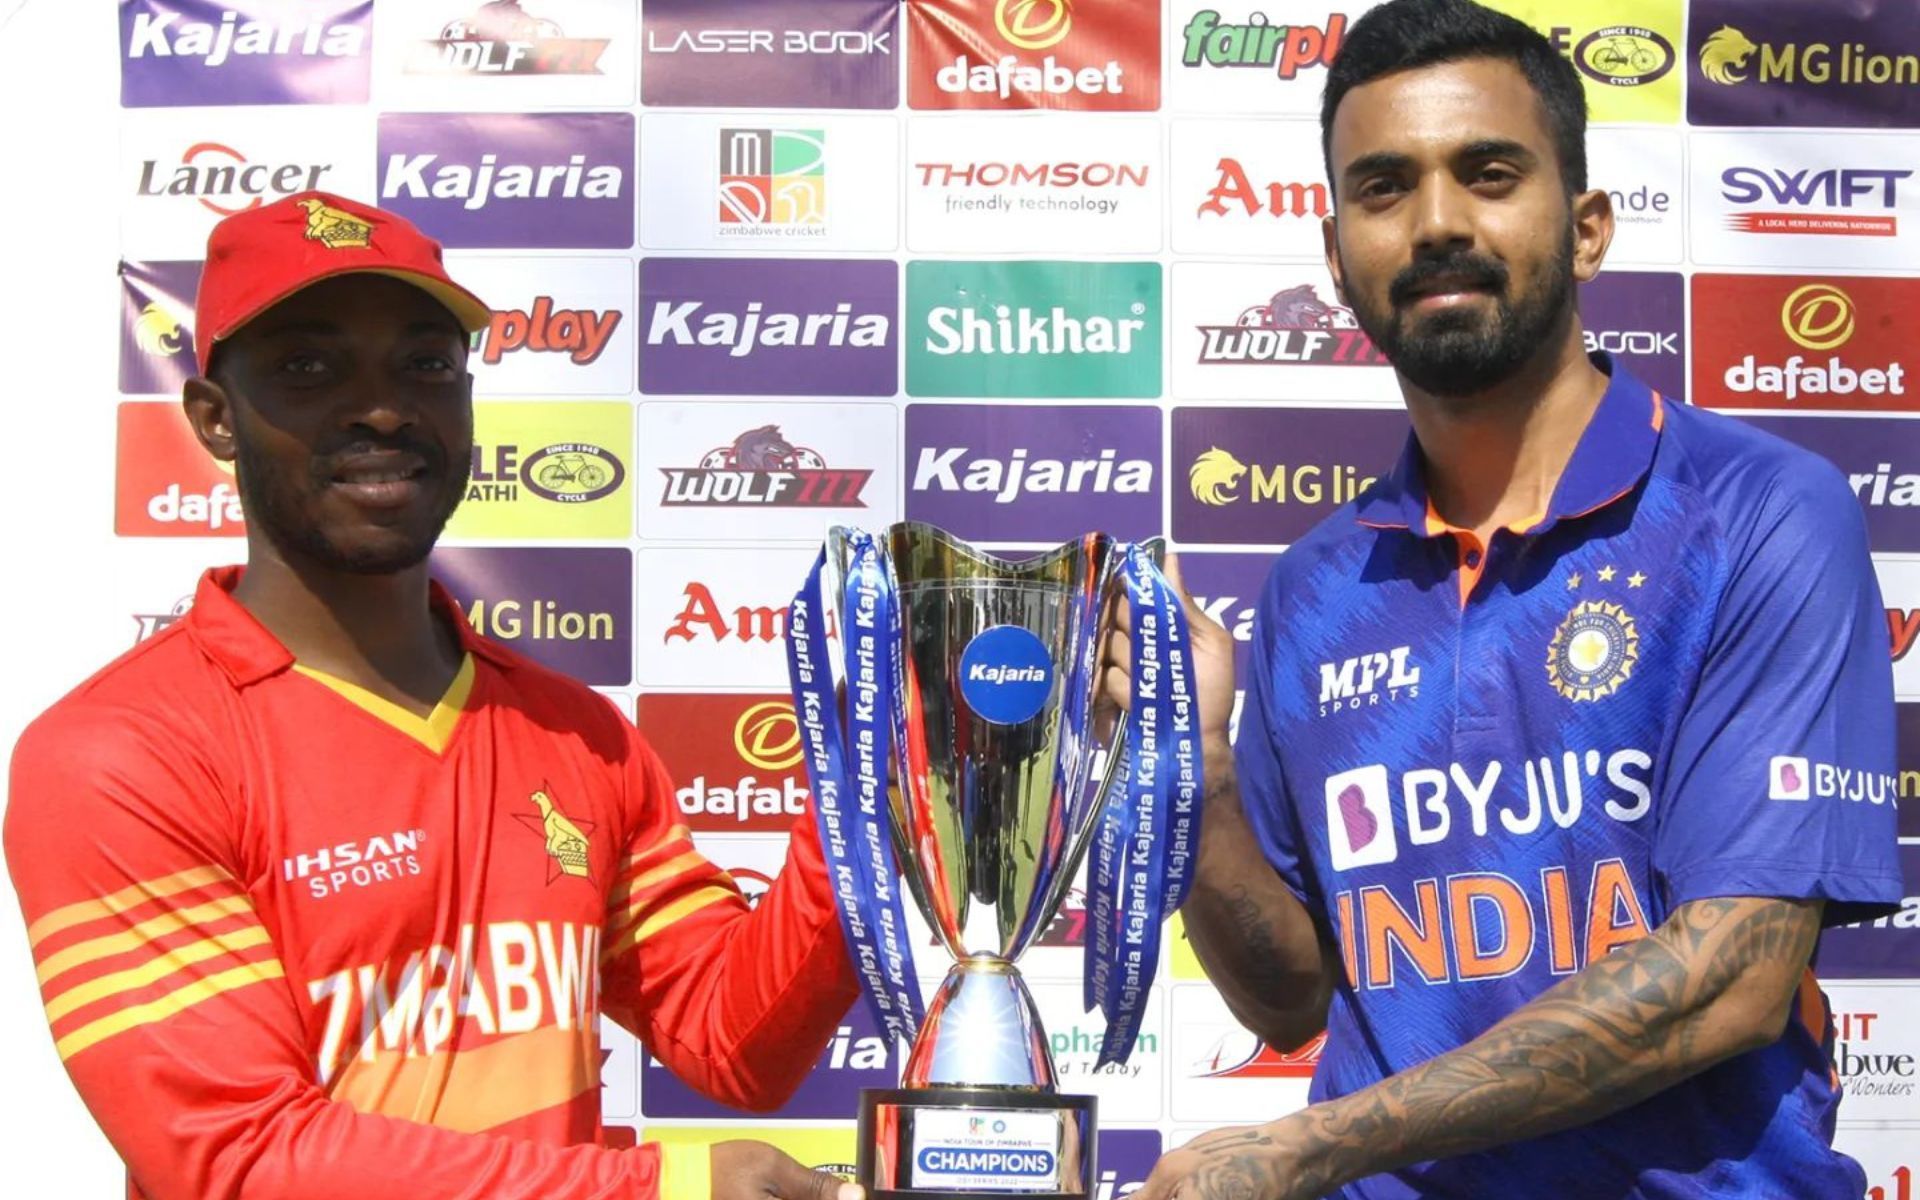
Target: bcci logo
(1593, 651)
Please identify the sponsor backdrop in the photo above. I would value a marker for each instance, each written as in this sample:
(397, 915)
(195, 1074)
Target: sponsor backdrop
(1019, 267)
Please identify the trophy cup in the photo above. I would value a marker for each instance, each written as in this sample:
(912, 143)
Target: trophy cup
(975, 678)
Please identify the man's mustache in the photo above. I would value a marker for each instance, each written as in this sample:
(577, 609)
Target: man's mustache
(1473, 270)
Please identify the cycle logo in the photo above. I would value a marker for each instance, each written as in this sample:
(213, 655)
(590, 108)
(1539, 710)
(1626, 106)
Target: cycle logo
(767, 736)
(572, 473)
(1624, 55)
(1818, 316)
(1033, 24)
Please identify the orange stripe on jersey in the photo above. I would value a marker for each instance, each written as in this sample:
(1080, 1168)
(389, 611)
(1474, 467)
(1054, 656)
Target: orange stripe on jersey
(472, 1091)
(632, 898)
(673, 837)
(143, 934)
(170, 961)
(645, 928)
(131, 896)
(179, 1000)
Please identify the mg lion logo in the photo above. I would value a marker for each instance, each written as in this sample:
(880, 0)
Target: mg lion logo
(157, 331)
(1214, 475)
(1724, 55)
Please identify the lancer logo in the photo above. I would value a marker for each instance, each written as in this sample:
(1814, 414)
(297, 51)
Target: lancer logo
(1724, 55)
(1818, 316)
(1033, 24)
(224, 181)
(1240, 1055)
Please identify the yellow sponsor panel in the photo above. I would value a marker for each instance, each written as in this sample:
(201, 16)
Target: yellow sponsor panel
(1186, 965)
(824, 1148)
(1627, 52)
(544, 469)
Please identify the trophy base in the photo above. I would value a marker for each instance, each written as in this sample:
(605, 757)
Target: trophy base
(963, 1143)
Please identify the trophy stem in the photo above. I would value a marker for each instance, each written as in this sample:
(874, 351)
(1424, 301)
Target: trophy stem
(982, 1031)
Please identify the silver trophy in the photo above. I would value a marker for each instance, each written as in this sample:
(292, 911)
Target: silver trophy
(1001, 778)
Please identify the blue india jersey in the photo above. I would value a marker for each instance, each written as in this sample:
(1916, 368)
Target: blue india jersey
(1483, 767)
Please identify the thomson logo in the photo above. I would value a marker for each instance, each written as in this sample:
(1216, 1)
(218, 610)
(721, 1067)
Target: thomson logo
(1365, 679)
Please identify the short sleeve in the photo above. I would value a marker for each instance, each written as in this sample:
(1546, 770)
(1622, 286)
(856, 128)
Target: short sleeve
(1263, 785)
(1782, 776)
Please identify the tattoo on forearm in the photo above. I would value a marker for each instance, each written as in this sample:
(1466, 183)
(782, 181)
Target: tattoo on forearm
(1627, 1026)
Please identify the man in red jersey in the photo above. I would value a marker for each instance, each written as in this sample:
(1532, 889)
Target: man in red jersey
(326, 892)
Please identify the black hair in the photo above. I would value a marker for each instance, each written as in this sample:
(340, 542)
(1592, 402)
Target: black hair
(1405, 34)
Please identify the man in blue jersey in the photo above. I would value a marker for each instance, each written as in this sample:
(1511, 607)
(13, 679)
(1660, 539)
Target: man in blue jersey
(1564, 741)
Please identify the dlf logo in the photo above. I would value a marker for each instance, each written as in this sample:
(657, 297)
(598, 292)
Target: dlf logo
(1364, 678)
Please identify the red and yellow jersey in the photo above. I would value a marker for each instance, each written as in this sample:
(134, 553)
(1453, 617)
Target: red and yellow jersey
(295, 941)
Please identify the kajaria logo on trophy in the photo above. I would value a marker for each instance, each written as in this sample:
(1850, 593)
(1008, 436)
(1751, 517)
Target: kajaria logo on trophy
(1096, 55)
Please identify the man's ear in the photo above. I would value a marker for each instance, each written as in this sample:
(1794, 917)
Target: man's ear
(1592, 232)
(210, 414)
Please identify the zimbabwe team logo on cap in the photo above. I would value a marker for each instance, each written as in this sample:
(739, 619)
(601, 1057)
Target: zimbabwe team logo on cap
(335, 228)
(1006, 674)
(1593, 652)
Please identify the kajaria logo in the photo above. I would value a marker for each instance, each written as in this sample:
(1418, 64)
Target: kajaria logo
(169, 31)
(1769, 342)
(1100, 55)
(204, 52)
(165, 483)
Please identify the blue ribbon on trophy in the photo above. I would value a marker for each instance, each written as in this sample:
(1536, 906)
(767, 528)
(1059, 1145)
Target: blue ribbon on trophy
(849, 771)
(1143, 853)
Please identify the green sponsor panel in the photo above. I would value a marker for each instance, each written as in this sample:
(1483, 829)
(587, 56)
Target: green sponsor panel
(1034, 329)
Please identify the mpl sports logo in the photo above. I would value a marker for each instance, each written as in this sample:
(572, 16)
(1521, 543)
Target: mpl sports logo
(156, 326)
(198, 52)
(545, 180)
(735, 761)
(1096, 55)
(768, 327)
(984, 184)
(1052, 475)
(1812, 64)
(1254, 57)
(717, 616)
(165, 483)
(787, 54)
(560, 327)
(1800, 343)
(1248, 189)
(504, 39)
(1639, 317)
(1806, 199)
(1039, 329)
(1242, 487)
(548, 470)
(567, 609)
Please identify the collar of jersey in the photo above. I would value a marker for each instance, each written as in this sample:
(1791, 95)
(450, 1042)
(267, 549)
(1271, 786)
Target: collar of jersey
(241, 646)
(1614, 454)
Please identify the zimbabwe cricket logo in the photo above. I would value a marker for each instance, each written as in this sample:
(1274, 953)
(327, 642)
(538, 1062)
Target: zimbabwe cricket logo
(566, 839)
(1593, 652)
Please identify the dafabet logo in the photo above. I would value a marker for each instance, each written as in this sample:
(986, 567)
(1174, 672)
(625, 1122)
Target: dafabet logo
(734, 760)
(1804, 344)
(1100, 55)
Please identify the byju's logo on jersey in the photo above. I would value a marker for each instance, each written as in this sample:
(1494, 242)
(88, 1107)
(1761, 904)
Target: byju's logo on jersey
(546, 180)
(1366, 680)
(202, 52)
(1792, 778)
(1360, 819)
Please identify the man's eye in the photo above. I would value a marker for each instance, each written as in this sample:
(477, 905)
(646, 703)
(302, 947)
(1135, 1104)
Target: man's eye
(432, 362)
(1373, 188)
(303, 364)
(1498, 175)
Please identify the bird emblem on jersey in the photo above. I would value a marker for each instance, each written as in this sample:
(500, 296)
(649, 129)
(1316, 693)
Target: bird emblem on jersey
(1724, 55)
(335, 228)
(1214, 475)
(1594, 651)
(566, 839)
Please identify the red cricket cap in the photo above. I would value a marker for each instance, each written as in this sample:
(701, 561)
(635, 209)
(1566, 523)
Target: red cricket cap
(257, 258)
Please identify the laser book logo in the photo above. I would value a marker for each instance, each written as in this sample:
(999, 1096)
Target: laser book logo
(771, 53)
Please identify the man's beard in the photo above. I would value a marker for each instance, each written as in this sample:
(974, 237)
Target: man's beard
(272, 503)
(1462, 352)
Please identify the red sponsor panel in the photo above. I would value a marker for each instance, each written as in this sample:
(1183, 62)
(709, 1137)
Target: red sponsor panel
(735, 760)
(165, 483)
(1090, 55)
(1806, 343)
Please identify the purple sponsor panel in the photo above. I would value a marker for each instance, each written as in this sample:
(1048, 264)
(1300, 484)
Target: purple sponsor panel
(1907, 732)
(771, 53)
(791, 327)
(1803, 62)
(219, 52)
(1227, 588)
(1639, 317)
(541, 180)
(1256, 476)
(857, 1057)
(571, 610)
(1887, 948)
(1002, 473)
(1881, 460)
(1126, 1159)
(156, 326)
